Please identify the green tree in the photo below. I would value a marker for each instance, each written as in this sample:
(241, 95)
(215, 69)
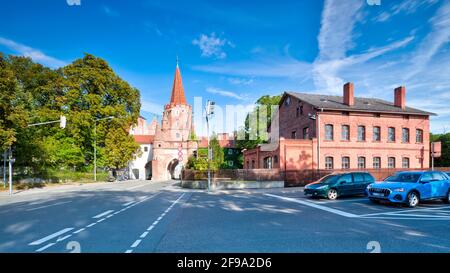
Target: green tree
(13, 115)
(120, 148)
(444, 160)
(94, 91)
(249, 130)
(217, 153)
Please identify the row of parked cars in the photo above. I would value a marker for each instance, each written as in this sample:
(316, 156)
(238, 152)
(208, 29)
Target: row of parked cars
(409, 187)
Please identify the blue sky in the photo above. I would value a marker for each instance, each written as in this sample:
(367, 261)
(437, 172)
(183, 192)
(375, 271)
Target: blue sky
(235, 51)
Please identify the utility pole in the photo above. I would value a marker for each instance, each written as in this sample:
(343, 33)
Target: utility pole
(10, 160)
(209, 113)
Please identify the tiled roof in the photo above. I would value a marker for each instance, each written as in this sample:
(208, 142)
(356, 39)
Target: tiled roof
(178, 97)
(144, 139)
(361, 104)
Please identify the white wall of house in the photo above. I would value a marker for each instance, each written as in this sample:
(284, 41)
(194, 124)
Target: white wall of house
(137, 167)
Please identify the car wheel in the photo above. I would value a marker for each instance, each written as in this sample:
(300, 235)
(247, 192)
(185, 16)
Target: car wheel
(447, 199)
(413, 199)
(332, 194)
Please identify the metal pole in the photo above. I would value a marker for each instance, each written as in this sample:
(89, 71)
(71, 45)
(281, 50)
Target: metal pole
(4, 169)
(10, 171)
(209, 153)
(318, 141)
(432, 161)
(95, 151)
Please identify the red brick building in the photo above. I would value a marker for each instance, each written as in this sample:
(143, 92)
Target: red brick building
(345, 132)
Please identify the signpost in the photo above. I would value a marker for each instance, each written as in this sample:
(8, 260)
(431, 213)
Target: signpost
(436, 150)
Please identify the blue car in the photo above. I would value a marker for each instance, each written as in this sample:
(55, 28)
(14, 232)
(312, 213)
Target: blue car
(411, 187)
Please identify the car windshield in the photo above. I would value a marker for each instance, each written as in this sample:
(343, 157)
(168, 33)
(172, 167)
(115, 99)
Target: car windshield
(390, 178)
(328, 179)
(405, 177)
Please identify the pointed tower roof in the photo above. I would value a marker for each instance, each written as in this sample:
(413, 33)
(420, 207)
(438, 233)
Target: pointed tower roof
(177, 89)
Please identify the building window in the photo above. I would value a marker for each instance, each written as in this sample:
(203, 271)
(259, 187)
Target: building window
(145, 149)
(377, 162)
(298, 111)
(287, 102)
(294, 134)
(345, 132)
(361, 133)
(419, 136)
(248, 165)
(391, 134)
(329, 163)
(376, 133)
(405, 135)
(391, 162)
(275, 159)
(405, 162)
(268, 163)
(361, 162)
(328, 132)
(253, 164)
(230, 163)
(306, 133)
(230, 151)
(345, 162)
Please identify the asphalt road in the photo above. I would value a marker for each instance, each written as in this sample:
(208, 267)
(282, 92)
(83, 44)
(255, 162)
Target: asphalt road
(132, 217)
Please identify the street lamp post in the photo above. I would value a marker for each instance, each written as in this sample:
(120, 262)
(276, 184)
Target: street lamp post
(209, 112)
(95, 145)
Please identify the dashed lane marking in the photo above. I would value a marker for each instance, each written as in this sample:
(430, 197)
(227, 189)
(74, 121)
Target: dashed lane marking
(143, 235)
(60, 239)
(49, 237)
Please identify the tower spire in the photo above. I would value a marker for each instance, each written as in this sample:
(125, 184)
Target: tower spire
(177, 96)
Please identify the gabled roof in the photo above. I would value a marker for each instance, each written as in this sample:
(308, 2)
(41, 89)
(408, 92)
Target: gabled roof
(177, 97)
(327, 102)
(144, 139)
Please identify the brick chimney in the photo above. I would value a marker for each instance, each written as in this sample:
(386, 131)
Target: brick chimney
(349, 98)
(400, 97)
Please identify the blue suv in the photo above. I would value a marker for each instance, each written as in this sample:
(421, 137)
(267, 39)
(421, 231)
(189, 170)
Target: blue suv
(411, 188)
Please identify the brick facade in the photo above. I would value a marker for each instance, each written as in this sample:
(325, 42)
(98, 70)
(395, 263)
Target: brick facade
(295, 151)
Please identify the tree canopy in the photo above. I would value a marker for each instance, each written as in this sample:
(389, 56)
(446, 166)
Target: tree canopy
(86, 91)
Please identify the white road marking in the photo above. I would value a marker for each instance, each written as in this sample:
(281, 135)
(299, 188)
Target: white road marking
(136, 243)
(101, 220)
(51, 236)
(80, 230)
(42, 207)
(143, 235)
(63, 238)
(91, 225)
(313, 205)
(103, 214)
(136, 187)
(127, 204)
(45, 247)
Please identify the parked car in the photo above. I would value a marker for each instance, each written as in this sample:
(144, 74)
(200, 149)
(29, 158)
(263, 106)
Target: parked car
(340, 184)
(411, 188)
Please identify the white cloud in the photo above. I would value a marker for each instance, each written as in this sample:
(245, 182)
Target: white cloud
(433, 42)
(212, 46)
(240, 81)
(151, 107)
(335, 39)
(406, 6)
(35, 54)
(269, 66)
(224, 93)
